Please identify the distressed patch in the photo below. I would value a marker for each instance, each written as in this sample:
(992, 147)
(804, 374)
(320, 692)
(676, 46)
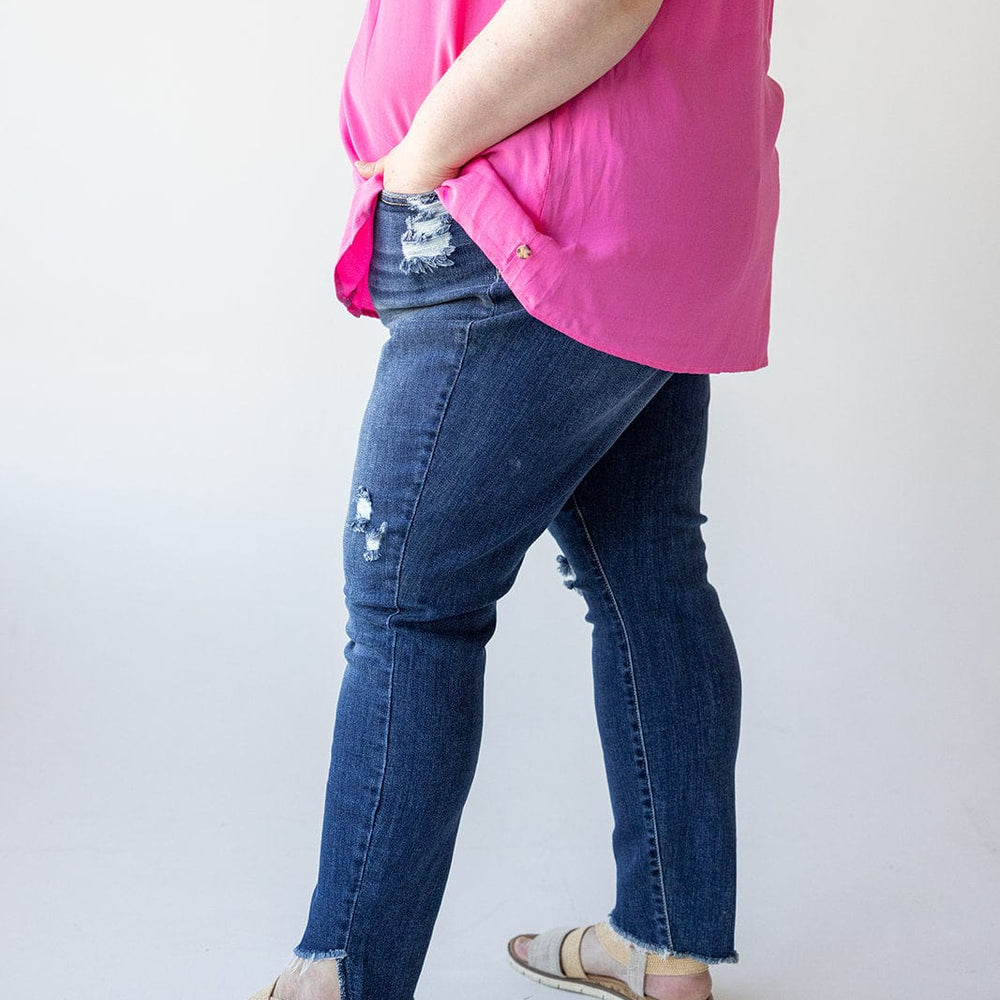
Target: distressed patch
(361, 522)
(566, 571)
(362, 510)
(373, 539)
(426, 242)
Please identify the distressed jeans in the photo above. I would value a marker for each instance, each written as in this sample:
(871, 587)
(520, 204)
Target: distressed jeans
(485, 427)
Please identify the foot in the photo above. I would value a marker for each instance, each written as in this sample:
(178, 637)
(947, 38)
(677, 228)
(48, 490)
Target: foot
(309, 980)
(597, 961)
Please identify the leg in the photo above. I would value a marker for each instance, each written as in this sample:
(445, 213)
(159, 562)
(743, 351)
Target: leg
(666, 677)
(480, 424)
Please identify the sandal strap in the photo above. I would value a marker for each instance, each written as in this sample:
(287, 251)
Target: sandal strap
(636, 977)
(642, 963)
(569, 954)
(544, 948)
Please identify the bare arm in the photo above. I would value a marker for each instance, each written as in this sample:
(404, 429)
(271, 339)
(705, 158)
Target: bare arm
(529, 58)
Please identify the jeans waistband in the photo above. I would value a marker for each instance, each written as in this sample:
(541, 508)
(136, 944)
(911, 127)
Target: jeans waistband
(416, 199)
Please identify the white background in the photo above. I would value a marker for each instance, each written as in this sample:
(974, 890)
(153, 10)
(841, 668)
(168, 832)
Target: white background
(180, 398)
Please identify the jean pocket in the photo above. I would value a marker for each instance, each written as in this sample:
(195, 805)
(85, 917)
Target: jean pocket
(406, 198)
(422, 257)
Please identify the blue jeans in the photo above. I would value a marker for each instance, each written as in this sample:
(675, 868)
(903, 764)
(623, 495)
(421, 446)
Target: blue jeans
(483, 428)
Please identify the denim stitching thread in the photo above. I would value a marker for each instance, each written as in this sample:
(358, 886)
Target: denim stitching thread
(392, 658)
(588, 539)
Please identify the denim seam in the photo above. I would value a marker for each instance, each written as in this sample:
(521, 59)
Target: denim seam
(396, 609)
(588, 539)
(392, 661)
(420, 491)
(378, 803)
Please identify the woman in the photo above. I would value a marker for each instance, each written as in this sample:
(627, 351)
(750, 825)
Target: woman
(564, 215)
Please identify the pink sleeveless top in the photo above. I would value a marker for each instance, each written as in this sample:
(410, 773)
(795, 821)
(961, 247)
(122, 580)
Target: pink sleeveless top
(638, 217)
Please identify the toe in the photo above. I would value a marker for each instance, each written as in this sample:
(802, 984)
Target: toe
(521, 946)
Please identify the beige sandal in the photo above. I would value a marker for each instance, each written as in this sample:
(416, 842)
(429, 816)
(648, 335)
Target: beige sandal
(554, 960)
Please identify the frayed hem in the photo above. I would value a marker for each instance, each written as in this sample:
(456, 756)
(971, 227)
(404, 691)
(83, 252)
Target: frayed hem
(302, 958)
(732, 957)
(317, 956)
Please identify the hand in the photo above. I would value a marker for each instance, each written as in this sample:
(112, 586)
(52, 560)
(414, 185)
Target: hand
(406, 171)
